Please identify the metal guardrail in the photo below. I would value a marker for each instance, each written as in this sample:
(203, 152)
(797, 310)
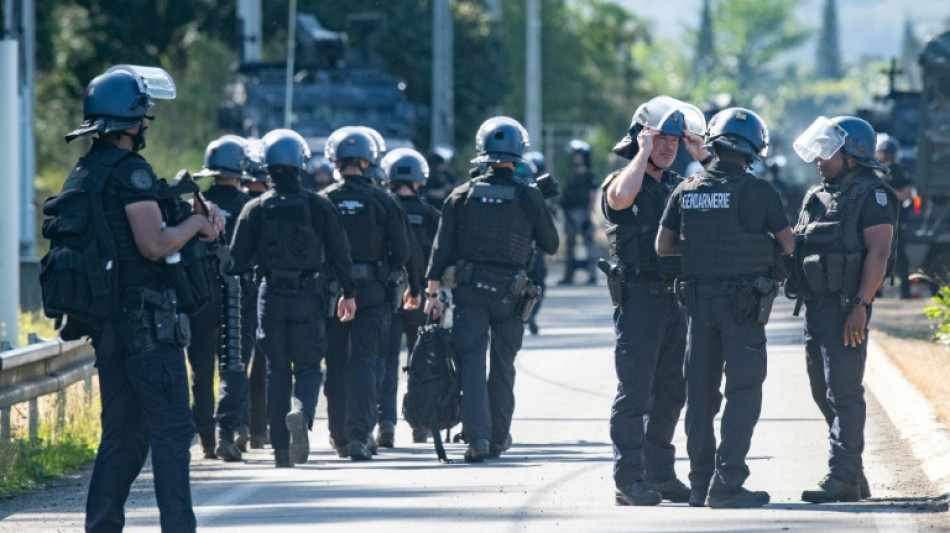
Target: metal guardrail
(33, 371)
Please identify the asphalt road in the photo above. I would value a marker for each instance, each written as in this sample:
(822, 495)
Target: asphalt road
(557, 477)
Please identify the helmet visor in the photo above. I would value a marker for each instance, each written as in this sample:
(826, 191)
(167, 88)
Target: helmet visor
(153, 81)
(661, 111)
(822, 139)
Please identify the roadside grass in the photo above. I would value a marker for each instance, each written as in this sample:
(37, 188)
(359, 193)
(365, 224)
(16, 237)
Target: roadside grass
(62, 447)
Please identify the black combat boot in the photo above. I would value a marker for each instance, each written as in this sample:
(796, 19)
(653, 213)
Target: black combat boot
(386, 434)
(832, 489)
(243, 437)
(358, 451)
(498, 448)
(477, 451)
(638, 493)
(299, 438)
(227, 450)
(697, 495)
(420, 435)
(673, 490)
(740, 498)
(863, 486)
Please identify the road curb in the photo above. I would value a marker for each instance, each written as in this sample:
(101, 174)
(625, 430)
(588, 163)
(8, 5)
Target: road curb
(912, 415)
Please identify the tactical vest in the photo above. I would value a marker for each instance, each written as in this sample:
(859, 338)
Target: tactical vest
(633, 243)
(364, 219)
(832, 249)
(493, 224)
(230, 200)
(288, 240)
(417, 213)
(714, 243)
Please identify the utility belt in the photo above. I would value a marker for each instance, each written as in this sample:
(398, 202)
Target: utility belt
(751, 298)
(151, 319)
(501, 281)
(830, 273)
(363, 272)
(623, 284)
(292, 282)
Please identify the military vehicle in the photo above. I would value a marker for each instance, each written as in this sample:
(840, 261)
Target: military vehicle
(334, 85)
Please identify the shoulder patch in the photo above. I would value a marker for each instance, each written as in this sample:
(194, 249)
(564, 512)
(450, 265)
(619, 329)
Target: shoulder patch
(141, 179)
(881, 197)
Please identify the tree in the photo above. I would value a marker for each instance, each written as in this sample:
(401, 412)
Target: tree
(704, 58)
(828, 50)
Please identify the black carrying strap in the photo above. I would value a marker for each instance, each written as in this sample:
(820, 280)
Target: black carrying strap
(437, 440)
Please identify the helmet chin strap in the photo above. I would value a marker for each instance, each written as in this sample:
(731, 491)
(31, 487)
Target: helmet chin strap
(654, 165)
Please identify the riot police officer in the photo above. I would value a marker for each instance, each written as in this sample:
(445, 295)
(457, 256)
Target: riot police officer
(577, 201)
(319, 174)
(407, 171)
(441, 179)
(291, 236)
(485, 232)
(724, 223)
(538, 271)
(650, 326)
(225, 161)
(843, 241)
(888, 153)
(380, 247)
(142, 374)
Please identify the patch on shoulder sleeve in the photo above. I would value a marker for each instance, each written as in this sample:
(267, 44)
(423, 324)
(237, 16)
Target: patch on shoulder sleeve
(881, 197)
(141, 179)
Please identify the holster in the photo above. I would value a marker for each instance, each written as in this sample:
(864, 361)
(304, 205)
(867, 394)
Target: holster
(333, 293)
(530, 298)
(396, 285)
(767, 290)
(744, 301)
(616, 281)
(156, 321)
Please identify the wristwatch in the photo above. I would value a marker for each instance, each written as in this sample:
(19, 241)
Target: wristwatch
(432, 294)
(858, 301)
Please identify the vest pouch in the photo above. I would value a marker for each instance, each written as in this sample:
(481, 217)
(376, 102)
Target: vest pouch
(284, 282)
(814, 274)
(518, 284)
(822, 234)
(464, 273)
(182, 336)
(853, 268)
(834, 272)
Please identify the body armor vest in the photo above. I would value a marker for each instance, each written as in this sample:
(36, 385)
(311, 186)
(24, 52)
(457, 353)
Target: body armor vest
(715, 245)
(493, 225)
(288, 241)
(231, 202)
(364, 218)
(832, 249)
(634, 243)
(418, 214)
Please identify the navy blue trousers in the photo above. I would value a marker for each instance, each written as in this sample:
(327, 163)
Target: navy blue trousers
(718, 344)
(651, 341)
(202, 357)
(144, 406)
(404, 322)
(291, 336)
(482, 318)
(835, 373)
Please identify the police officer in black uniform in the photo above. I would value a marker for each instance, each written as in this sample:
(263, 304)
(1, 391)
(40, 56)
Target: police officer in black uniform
(292, 237)
(650, 325)
(406, 171)
(538, 271)
(888, 153)
(225, 161)
(486, 230)
(319, 174)
(142, 374)
(843, 241)
(577, 201)
(441, 179)
(255, 184)
(724, 223)
(380, 246)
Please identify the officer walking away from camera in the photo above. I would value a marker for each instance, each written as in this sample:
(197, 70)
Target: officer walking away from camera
(650, 325)
(318, 176)
(888, 153)
(538, 269)
(407, 171)
(441, 179)
(140, 333)
(577, 201)
(255, 184)
(486, 232)
(376, 228)
(724, 224)
(292, 237)
(225, 161)
(842, 243)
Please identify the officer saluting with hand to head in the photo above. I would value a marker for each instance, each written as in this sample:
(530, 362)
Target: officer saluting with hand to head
(724, 223)
(650, 325)
(485, 231)
(843, 241)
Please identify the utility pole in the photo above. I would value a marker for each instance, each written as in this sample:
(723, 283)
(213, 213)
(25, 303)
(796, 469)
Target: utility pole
(249, 29)
(27, 148)
(291, 50)
(9, 187)
(443, 87)
(532, 104)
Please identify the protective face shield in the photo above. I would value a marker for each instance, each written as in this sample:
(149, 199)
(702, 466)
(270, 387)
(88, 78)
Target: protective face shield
(225, 157)
(500, 140)
(405, 164)
(664, 113)
(255, 167)
(822, 140)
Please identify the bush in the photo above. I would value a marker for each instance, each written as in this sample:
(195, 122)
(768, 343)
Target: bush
(941, 312)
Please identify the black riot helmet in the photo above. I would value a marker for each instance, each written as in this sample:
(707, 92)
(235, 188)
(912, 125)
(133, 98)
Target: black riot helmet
(666, 114)
(285, 148)
(888, 145)
(120, 98)
(500, 140)
(740, 130)
(538, 160)
(350, 142)
(405, 164)
(225, 157)
(860, 141)
(255, 165)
